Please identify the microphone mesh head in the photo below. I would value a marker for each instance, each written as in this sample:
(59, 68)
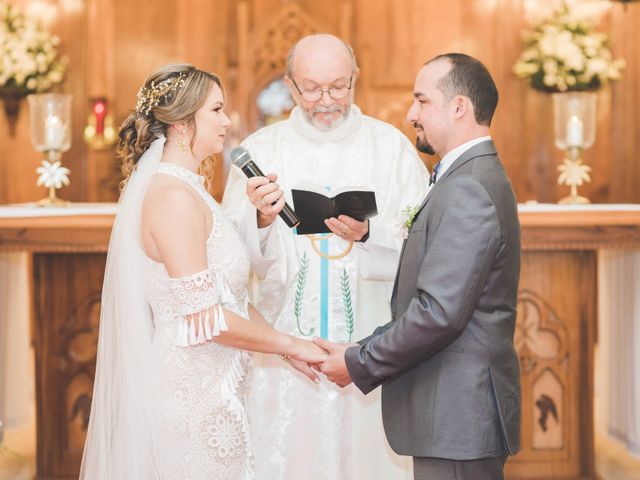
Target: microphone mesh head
(240, 156)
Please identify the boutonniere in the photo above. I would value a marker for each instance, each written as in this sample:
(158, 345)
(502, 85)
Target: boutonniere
(408, 214)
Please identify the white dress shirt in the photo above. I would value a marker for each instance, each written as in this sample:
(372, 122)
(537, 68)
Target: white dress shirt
(454, 154)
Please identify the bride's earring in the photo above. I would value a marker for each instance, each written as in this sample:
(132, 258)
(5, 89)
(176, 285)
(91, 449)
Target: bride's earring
(182, 141)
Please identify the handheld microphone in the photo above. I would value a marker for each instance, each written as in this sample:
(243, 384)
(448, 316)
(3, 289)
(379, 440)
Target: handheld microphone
(241, 158)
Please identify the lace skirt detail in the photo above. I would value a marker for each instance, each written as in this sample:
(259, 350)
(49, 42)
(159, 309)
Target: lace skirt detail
(202, 427)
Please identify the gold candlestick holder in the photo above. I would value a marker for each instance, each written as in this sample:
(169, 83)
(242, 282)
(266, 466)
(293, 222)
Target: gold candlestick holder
(53, 176)
(574, 173)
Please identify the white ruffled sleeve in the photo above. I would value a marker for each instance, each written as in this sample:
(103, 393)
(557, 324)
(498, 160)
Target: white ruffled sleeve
(199, 300)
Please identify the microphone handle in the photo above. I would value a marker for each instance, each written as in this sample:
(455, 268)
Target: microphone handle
(287, 214)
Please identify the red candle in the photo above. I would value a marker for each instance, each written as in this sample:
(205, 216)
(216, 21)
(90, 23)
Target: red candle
(100, 111)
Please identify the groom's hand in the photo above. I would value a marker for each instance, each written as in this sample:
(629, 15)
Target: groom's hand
(334, 367)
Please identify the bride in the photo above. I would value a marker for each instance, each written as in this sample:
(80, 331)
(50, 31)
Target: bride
(175, 322)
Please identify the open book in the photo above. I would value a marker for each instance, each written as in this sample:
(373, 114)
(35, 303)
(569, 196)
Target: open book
(313, 204)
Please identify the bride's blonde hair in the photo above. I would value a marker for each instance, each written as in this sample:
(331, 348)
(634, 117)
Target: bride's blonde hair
(171, 94)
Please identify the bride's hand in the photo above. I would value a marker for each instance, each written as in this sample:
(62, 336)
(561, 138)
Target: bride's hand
(304, 368)
(307, 351)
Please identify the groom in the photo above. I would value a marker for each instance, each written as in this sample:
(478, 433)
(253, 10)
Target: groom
(446, 363)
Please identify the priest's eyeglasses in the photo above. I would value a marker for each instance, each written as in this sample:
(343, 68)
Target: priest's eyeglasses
(337, 92)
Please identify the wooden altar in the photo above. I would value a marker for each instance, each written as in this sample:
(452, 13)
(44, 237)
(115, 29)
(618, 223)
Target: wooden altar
(67, 260)
(556, 329)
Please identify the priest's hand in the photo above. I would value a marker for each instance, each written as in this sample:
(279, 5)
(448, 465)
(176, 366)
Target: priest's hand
(267, 196)
(335, 367)
(348, 228)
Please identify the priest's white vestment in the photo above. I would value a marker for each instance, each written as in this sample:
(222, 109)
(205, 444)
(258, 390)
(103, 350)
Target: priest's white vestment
(323, 286)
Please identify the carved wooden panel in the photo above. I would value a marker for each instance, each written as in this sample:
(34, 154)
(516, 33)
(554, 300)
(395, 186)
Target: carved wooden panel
(554, 338)
(542, 342)
(66, 311)
(263, 45)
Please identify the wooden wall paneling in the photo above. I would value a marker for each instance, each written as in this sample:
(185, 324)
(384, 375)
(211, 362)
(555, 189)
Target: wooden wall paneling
(201, 35)
(598, 157)
(346, 21)
(18, 160)
(71, 27)
(509, 126)
(199, 24)
(623, 157)
(327, 14)
(145, 40)
(392, 107)
(102, 165)
(240, 81)
(330, 14)
(539, 156)
(391, 40)
(66, 317)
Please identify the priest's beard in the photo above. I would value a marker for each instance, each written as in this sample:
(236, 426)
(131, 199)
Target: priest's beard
(422, 144)
(324, 125)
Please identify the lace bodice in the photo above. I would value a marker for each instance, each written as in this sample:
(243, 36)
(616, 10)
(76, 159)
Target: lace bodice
(225, 249)
(202, 419)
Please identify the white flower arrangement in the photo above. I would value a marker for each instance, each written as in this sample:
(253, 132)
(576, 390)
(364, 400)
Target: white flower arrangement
(566, 53)
(52, 175)
(29, 60)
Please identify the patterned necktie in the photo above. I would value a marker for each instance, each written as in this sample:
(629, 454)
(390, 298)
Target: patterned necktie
(434, 174)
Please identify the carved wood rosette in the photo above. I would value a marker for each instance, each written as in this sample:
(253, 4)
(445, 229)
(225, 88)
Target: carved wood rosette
(263, 47)
(541, 340)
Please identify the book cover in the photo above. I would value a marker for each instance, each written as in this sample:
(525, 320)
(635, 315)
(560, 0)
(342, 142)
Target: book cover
(314, 204)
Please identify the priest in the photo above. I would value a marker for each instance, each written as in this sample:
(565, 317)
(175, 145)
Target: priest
(332, 285)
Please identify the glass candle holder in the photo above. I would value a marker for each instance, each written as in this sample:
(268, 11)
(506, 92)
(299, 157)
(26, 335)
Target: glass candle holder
(50, 116)
(575, 130)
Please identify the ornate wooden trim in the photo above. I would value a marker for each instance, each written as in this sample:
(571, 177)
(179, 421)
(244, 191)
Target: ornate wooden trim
(82, 233)
(549, 230)
(580, 218)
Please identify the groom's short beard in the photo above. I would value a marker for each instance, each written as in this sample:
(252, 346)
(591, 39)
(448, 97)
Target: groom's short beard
(424, 146)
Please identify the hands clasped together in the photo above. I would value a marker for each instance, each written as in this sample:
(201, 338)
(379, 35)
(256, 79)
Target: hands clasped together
(320, 355)
(323, 356)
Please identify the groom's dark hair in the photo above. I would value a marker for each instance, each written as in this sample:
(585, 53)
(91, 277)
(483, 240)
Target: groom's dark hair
(470, 78)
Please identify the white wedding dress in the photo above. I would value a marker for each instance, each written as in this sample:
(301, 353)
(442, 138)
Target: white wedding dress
(168, 403)
(201, 431)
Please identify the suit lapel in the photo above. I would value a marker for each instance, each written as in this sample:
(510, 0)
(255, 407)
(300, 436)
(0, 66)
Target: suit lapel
(483, 149)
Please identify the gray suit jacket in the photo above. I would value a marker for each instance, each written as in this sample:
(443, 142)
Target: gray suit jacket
(447, 365)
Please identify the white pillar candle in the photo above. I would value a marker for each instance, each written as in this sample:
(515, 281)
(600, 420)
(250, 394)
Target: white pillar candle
(575, 132)
(54, 133)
